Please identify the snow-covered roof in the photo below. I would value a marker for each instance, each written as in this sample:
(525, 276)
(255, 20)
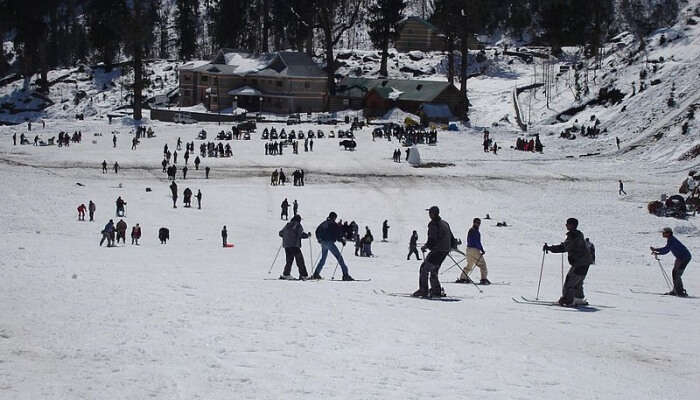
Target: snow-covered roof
(392, 89)
(280, 64)
(245, 91)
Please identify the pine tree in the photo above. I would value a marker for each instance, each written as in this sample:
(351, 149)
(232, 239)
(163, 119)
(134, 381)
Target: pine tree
(384, 19)
(519, 17)
(104, 33)
(186, 17)
(140, 17)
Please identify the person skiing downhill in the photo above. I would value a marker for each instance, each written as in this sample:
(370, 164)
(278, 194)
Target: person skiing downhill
(440, 242)
(475, 255)
(413, 246)
(683, 258)
(291, 235)
(327, 233)
(580, 260)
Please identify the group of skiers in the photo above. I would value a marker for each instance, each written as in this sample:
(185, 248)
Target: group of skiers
(91, 208)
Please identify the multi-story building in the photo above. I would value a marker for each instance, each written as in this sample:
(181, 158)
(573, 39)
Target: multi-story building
(282, 82)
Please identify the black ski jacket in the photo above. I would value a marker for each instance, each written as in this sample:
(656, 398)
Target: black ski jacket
(575, 245)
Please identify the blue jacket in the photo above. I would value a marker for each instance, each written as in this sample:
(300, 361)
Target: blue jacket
(676, 247)
(474, 239)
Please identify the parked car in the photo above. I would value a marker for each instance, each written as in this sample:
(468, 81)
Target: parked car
(331, 134)
(246, 126)
(320, 134)
(326, 119)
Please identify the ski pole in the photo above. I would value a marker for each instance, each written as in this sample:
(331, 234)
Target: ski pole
(562, 270)
(465, 273)
(668, 280)
(275, 260)
(311, 253)
(540, 280)
(453, 265)
(337, 262)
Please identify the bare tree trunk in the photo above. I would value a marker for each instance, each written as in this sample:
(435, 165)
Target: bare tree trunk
(266, 25)
(463, 76)
(450, 60)
(383, 71)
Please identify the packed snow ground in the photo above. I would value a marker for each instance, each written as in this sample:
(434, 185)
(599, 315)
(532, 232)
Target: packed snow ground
(193, 320)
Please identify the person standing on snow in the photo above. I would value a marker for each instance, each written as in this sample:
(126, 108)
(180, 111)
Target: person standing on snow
(440, 242)
(621, 190)
(121, 231)
(199, 199)
(683, 258)
(413, 246)
(291, 235)
(295, 207)
(475, 255)
(104, 166)
(327, 233)
(224, 236)
(81, 212)
(579, 258)
(135, 234)
(173, 190)
(285, 210)
(385, 230)
(107, 233)
(91, 210)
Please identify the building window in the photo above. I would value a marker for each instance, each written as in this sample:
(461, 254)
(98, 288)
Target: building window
(205, 78)
(279, 83)
(307, 85)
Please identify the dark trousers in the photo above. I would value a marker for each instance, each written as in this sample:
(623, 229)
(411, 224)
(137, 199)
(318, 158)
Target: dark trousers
(413, 250)
(92, 216)
(429, 271)
(294, 253)
(573, 284)
(678, 269)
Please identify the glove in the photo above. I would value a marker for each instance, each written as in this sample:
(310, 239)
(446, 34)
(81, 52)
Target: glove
(422, 249)
(309, 233)
(545, 248)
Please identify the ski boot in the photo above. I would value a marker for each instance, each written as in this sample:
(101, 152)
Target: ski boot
(579, 301)
(460, 280)
(440, 292)
(316, 277)
(484, 282)
(420, 293)
(286, 277)
(347, 278)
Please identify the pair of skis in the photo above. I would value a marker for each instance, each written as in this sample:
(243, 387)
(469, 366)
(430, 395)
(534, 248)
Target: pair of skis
(525, 300)
(409, 295)
(316, 280)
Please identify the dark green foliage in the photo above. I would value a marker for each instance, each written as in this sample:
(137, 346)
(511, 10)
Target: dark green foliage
(383, 22)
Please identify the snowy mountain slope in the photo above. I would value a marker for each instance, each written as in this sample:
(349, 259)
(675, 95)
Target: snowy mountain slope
(190, 319)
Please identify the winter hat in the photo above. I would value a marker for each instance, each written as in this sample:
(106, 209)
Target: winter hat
(573, 222)
(667, 230)
(434, 209)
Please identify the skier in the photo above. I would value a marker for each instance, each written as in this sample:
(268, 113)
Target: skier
(81, 212)
(291, 235)
(199, 199)
(285, 210)
(224, 236)
(173, 190)
(121, 231)
(621, 191)
(295, 207)
(107, 234)
(440, 242)
(120, 206)
(385, 230)
(91, 210)
(413, 246)
(580, 260)
(104, 166)
(683, 257)
(327, 233)
(187, 197)
(135, 234)
(475, 255)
